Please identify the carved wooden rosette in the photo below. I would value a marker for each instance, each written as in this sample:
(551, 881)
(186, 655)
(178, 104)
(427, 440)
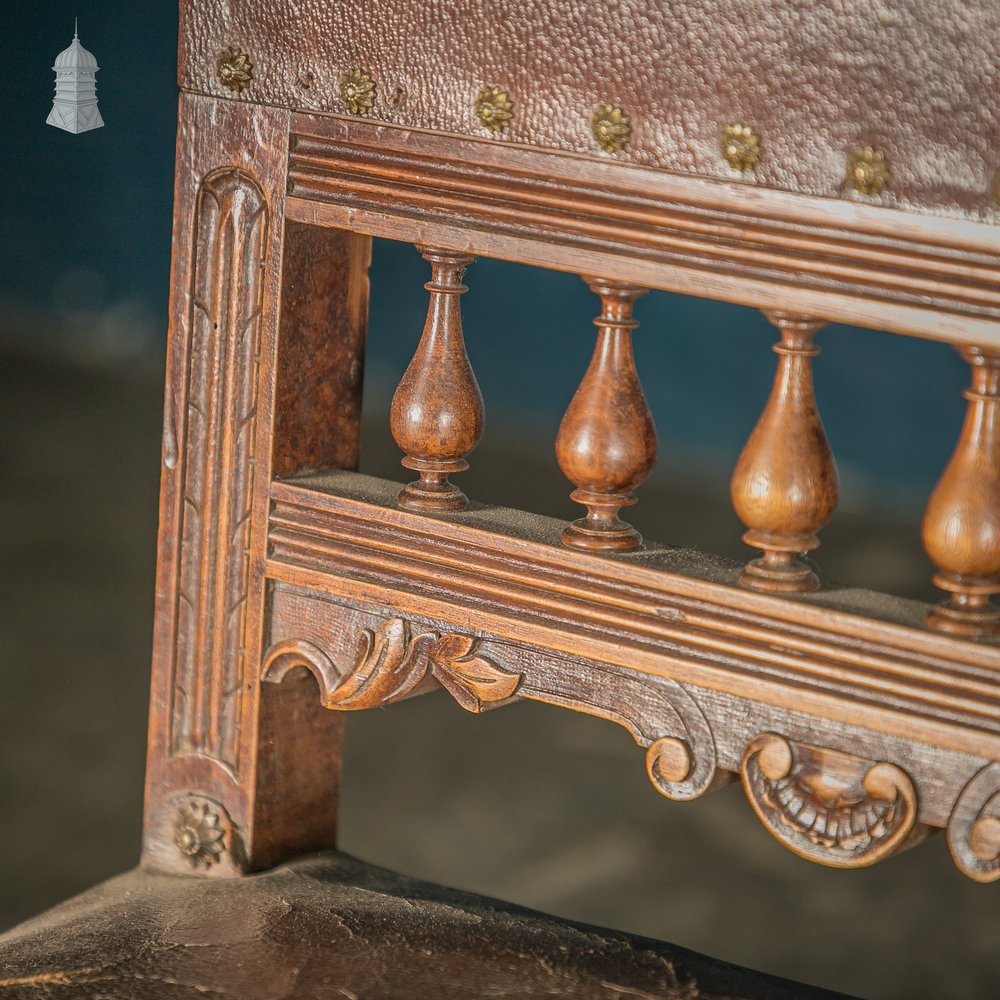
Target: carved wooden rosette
(393, 660)
(606, 444)
(961, 529)
(974, 827)
(196, 835)
(828, 806)
(784, 487)
(437, 411)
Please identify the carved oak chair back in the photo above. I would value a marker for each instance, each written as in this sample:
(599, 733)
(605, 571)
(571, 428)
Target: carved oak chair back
(819, 164)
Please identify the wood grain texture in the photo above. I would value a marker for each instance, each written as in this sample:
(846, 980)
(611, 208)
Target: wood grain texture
(321, 349)
(606, 444)
(212, 734)
(485, 604)
(665, 609)
(829, 805)
(215, 466)
(844, 262)
(974, 827)
(784, 487)
(961, 529)
(663, 643)
(361, 659)
(835, 808)
(437, 414)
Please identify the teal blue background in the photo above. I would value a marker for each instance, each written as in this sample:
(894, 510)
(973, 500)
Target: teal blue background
(87, 228)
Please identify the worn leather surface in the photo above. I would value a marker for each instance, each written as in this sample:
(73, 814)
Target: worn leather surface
(916, 79)
(329, 926)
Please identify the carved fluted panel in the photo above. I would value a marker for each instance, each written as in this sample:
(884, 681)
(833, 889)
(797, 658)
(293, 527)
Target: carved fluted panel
(974, 827)
(219, 423)
(828, 806)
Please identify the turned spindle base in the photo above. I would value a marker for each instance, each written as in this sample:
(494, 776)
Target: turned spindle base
(432, 492)
(779, 570)
(969, 611)
(601, 530)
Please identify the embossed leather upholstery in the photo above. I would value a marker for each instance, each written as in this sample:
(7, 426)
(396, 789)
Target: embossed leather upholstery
(916, 80)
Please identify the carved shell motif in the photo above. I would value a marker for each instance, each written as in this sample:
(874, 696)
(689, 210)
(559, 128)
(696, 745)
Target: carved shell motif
(828, 806)
(392, 660)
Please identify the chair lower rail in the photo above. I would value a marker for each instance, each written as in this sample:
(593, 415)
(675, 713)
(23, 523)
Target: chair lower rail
(854, 733)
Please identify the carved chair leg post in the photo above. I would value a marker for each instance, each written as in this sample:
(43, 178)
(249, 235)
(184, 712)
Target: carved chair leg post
(437, 412)
(961, 530)
(241, 776)
(784, 487)
(606, 444)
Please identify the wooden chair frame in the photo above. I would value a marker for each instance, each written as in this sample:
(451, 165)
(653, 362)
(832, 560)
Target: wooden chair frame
(855, 727)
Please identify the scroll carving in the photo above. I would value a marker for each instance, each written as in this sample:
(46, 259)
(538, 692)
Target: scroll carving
(219, 420)
(664, 718)
(974, 827)
(827, 806)
(393, 660)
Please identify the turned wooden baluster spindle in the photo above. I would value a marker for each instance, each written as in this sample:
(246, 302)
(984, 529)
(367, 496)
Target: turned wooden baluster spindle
(607, 442)
(961, 529)
(784, 487)
(437, 412)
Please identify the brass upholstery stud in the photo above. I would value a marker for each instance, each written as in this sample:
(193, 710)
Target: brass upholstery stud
(494, 108)
(357, 90)
(868, 170)
(234, 69)
(741, 146)
(611, 127)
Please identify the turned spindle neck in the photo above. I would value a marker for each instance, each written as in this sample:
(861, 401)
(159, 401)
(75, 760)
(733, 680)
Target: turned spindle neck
(447, 270)
(784, 487)
(437, 412)
(607, 442)
(618, 300)
(797, 335)
(985, 368)
(962, 524)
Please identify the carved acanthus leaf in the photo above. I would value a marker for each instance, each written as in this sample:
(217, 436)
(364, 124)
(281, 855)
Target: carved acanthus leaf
(391, 661)
(472, 680)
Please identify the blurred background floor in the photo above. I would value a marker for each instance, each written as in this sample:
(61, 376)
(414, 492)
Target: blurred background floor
(545, 808)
